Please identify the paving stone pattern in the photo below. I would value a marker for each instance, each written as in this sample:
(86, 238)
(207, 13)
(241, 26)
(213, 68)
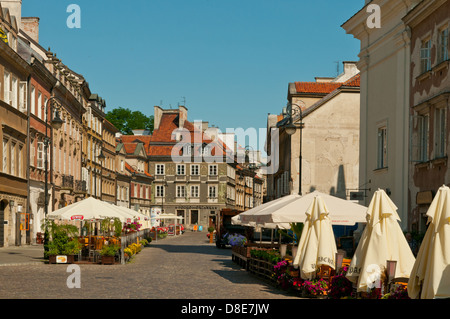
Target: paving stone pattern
(182, 267)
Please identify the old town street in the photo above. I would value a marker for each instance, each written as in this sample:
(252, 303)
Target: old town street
(181, 267)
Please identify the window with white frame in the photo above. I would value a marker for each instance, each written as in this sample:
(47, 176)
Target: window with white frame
(195, 169)
(443, 44)
(206, 150)
(440, 132)
(32, 152)
(7, 87)
(159, 191)
(181, 191)
(13, 158)
(213, 170)
(425, 56)
(212, 192)
(181, 169)
(159, 169)
(5, 156)
(39, 108)
(14, 92)
(33, 100)
(23, 96)
(382, 147)
(40, 155)
(195, 191)
(19, 161)
(45, 104)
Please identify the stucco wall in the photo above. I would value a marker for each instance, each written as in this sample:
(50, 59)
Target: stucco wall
(330, 147)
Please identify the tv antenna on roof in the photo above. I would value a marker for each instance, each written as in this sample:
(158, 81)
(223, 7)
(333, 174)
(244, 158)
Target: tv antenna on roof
(184, 100)
(337, 67)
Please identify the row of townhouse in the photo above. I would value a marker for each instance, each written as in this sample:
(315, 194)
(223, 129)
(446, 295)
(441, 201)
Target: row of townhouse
(381, 124)
(196, 175)
(57, 147)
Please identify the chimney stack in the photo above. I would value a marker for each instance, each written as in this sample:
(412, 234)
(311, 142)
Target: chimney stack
(30, 25)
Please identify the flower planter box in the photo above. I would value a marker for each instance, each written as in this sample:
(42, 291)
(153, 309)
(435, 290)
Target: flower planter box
(61, 259)
(108, 260)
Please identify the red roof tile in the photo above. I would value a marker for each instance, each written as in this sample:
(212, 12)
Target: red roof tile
(168, 124)
(316, 87)
(354, 81)
(129, 147)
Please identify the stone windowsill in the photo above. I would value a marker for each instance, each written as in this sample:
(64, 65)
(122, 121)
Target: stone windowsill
(424, 76)
(442, 65)
(381, 169)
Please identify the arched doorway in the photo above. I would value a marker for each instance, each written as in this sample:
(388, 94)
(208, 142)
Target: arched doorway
(3, 205)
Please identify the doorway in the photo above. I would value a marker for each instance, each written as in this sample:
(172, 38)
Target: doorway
(194, 217)
(3, 205)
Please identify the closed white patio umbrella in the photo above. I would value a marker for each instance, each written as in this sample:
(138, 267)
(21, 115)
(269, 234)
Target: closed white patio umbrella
(430, 276)
(381, 240)
(317, 245)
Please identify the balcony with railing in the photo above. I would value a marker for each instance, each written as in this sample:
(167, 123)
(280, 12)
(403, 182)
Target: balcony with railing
(67, 182)
(80, 187)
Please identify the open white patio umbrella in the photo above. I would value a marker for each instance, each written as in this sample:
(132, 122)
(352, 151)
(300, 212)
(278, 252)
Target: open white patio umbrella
(171, 216)
(430, 276)
(381, 240)
(247, 217)
(133, 214)
(317, 245)
(293, 208)
(237, 220)
(87, 209)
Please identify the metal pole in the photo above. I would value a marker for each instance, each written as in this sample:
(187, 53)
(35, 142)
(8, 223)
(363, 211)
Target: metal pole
(300, 157)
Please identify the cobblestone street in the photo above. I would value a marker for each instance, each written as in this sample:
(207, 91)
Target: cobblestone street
(182, 267)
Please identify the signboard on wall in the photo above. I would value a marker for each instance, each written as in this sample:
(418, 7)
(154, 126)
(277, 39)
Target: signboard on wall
(24, 221)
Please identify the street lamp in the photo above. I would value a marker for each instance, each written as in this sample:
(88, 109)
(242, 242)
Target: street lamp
(252, 167)
(56, 123)
(290, 128)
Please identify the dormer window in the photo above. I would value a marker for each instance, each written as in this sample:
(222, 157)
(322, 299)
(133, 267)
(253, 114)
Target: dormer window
(206, 150)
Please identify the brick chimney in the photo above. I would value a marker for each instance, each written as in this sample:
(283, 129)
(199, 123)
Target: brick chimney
(157, 115)
(30, 25)
(182, 115)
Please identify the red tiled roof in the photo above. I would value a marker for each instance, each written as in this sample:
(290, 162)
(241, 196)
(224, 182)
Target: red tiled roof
(316, 87)
(168, 124)
(129, 147)
(132, 170)
(128, 167)
(354, 81)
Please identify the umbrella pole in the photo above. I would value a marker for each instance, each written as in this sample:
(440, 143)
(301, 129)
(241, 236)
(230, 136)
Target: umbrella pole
(260, 237)
(271, 237)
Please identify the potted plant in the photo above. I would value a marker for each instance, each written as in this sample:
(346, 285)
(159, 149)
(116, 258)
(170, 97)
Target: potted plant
(71, 249)
(60, 243)
(108, 254)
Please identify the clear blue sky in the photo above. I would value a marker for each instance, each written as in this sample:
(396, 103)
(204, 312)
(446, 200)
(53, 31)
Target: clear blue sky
(232, 59)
